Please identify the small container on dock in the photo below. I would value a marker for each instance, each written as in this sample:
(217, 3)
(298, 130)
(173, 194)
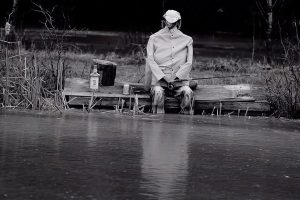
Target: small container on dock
(126, 89)
(94, 79)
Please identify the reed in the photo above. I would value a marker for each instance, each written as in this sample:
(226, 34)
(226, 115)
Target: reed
(24, 85)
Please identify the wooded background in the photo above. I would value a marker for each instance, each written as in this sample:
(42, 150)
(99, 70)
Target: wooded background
(235, 16)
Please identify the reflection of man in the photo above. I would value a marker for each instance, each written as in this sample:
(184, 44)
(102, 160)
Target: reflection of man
(165, 160)
(169, 59)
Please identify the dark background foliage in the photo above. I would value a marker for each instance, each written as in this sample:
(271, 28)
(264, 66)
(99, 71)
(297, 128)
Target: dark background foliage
(237, 16)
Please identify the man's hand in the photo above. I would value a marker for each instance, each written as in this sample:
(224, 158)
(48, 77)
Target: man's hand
(170, 78)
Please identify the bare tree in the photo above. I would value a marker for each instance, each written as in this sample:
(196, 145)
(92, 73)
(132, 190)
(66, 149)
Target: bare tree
(11, 16)
(55, 46)
(267, 9)
(163, 5)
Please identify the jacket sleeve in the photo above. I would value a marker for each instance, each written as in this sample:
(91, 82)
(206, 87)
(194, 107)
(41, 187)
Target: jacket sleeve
(185, 69)
(156, 71)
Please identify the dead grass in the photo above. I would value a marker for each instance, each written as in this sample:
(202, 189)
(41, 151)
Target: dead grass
(130, 68)
(282, 84)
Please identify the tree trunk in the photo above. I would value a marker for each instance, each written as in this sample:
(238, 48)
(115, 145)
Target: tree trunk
(12, 15)
(269, 31)
(163, 6)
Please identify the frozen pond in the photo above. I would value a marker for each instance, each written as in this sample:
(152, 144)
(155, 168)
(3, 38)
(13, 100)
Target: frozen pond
(106, 156)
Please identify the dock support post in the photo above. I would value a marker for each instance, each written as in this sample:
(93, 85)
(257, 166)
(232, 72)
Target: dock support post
(91, 101)
(6, 96)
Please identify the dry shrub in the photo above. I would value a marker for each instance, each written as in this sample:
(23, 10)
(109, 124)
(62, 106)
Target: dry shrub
(283, 90)
(230, 65)
(134, 47)
(211, 67)
(283, 82)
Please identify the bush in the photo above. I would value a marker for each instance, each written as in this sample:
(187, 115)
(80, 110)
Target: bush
(283, 90)
(283, 82)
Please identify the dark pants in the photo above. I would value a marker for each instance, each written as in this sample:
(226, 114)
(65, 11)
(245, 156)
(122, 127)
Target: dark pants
(183, 93)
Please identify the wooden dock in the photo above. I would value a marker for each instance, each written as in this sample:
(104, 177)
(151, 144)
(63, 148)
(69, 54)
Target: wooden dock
(232, 99)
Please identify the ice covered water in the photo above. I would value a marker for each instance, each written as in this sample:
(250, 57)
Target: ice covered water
(107, 156)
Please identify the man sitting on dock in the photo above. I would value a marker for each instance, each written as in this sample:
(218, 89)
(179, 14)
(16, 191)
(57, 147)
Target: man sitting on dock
(169, 60)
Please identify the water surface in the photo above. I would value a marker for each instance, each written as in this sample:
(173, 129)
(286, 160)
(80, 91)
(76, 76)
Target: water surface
(107, 156)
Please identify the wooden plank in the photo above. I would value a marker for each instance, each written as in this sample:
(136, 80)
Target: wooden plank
(232, 97)
(146, 96)
(107, 101)
(218, 92)
(203, 92)
(214, 92)
(257, 106)
(100, 94)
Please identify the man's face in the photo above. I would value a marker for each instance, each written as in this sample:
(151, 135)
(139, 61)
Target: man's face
(170, 25)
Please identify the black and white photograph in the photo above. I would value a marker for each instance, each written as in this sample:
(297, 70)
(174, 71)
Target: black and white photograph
(150, 100)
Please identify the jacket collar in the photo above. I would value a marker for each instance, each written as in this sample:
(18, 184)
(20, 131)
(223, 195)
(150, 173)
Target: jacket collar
(172, 31)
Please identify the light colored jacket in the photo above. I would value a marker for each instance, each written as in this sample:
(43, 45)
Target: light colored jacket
(168, 52)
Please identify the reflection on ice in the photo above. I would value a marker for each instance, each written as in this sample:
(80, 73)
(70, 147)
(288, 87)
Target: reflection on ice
(165, 162)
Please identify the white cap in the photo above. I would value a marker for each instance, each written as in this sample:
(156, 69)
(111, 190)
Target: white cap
(172, 16)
